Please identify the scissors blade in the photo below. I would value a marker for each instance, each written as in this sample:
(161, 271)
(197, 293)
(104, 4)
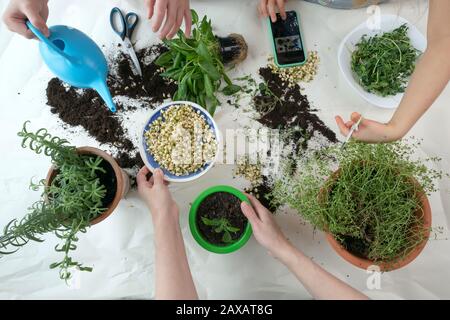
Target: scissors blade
(133, 55)
(352, 129)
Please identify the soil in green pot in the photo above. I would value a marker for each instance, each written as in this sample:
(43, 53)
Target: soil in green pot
(216, 207)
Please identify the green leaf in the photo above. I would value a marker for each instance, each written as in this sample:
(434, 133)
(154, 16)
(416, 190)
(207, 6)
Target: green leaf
(209, 68)
(164, 59)
(194, 16)
(208, 86)
(203, 52)
(231, 89)
(232, 229)
(226, 238)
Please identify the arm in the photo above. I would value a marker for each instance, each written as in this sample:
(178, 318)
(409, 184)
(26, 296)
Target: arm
(429, 79)
(19, 11)
(174, 11)
(173, 276)
(319, 283)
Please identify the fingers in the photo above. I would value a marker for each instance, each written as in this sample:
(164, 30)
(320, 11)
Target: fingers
(271, 8)
(281, 8)
(355, 116)
(171, 16)
(342, 126)
(151, 8)
(261, 211)
(36, 19)
(187, 22)
(263, 8)
(141, 177)
(177, 25)
(158, 177)
(159, 12)
(250, 213)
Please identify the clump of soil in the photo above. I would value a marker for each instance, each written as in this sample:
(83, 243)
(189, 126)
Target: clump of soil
(262, 192)
(151, 87)
(289, 111)
(85, 108)
(221, 205)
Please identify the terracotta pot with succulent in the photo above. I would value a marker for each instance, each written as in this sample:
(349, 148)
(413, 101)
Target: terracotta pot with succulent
(197, 63)
(83, 187)
(374, 207)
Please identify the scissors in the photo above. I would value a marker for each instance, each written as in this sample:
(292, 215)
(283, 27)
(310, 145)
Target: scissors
(352, 129)
(127, 25)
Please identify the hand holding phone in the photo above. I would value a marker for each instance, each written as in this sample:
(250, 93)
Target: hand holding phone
(287, 40)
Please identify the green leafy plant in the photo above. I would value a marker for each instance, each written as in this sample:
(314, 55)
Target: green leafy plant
(383, 63)
(196, 65)
(371, 204)
(221, 225)
(66, 207)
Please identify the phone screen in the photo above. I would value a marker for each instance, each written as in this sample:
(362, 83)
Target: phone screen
(287, 39)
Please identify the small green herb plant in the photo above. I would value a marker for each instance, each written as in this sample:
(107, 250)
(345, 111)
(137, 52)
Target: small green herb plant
(371, 204)
(195, 64)
(221, 225)
(383, 63)
(66, 207)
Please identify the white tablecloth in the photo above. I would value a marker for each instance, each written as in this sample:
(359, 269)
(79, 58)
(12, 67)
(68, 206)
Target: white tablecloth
(121, 248)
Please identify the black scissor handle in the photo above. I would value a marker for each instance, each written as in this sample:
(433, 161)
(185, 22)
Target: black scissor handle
(131, 20)
(122, 32)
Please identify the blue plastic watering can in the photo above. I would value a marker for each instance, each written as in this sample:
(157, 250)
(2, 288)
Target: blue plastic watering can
(76, 59)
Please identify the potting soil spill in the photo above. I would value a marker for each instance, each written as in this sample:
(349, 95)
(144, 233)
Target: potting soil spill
(79, 107)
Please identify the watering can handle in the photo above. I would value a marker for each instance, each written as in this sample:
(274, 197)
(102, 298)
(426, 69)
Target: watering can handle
(44, 39)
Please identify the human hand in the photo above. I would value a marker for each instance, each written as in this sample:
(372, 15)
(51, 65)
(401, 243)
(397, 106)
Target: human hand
(265, 229)
(19, 11)
(174, 11)
(268, 8)
(156, 194)
(368, 130)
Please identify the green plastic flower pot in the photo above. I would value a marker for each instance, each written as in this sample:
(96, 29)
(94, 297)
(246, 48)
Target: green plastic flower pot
(196, 232)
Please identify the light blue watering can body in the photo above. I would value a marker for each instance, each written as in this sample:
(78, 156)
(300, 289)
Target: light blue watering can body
(76, 59)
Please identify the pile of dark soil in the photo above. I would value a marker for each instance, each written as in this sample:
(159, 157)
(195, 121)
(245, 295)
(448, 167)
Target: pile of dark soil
(85, 108)
(221, 205)
(282, 106)
(289, 111)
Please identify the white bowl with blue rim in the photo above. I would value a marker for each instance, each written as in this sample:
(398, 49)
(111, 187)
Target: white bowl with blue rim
(387, 23)
(148, 158)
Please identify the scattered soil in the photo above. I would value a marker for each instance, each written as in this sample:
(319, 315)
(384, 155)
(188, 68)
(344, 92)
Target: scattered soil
(290, 112)
(262, 192)
(76, 107)
(221, 205)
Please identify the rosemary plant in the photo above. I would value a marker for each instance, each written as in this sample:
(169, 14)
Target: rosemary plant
(66, 207)
(371, 204)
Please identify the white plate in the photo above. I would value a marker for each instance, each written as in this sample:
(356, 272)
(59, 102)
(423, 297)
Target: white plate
(387, 23)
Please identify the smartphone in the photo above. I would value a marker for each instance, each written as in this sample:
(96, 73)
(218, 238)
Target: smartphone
(287, 42)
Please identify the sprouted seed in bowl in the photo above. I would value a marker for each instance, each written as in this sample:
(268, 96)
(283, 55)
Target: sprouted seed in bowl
(181, 140)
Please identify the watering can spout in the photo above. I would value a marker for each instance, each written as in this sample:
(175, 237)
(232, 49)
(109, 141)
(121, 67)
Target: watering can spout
(103, 90)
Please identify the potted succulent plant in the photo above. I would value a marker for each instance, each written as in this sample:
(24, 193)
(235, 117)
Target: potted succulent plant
(83, 187)
(374, 207)
(197, 63)
(217, 222)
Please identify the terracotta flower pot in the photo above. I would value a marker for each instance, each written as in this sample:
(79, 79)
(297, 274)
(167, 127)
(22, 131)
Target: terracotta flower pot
(424, 212)
(123, 182)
